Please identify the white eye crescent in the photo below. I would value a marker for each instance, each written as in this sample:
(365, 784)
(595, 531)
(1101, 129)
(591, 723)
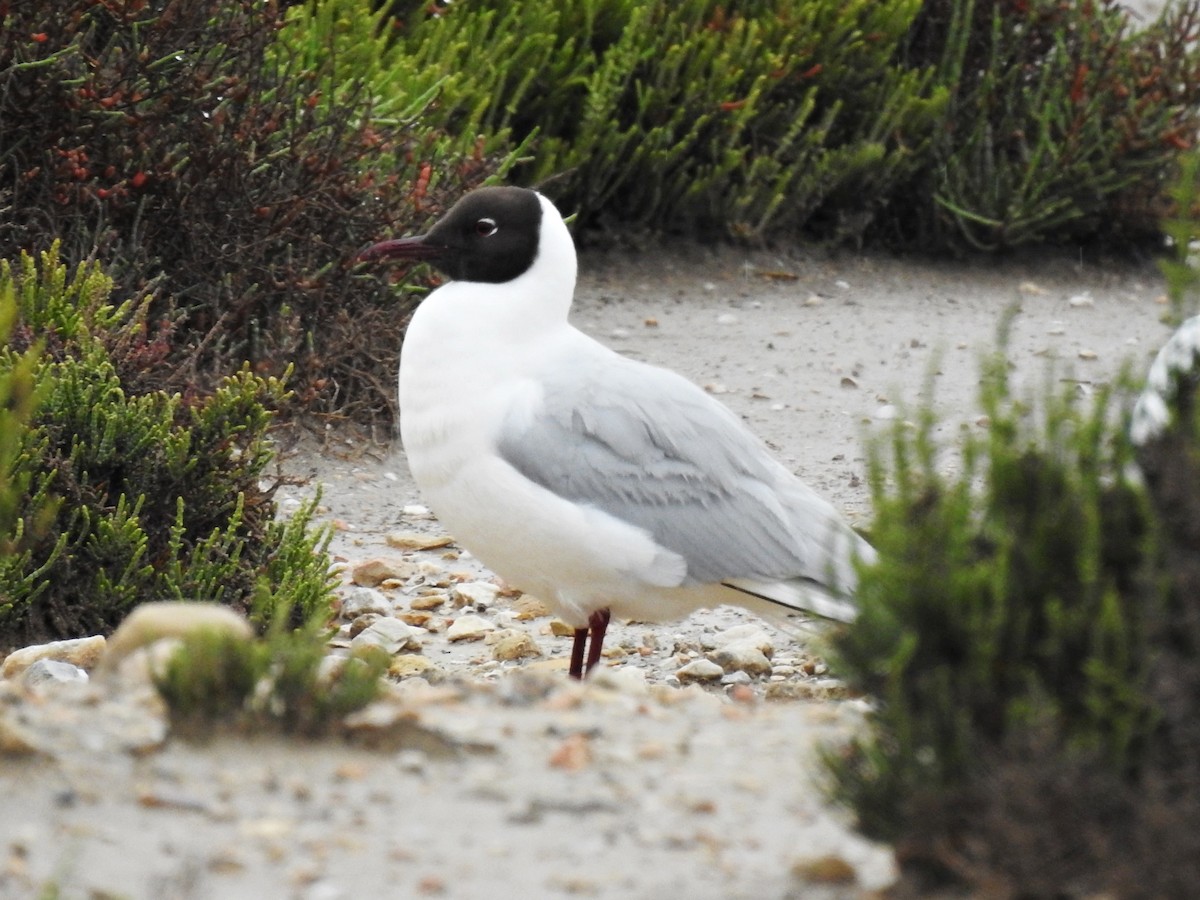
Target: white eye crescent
(486, 227)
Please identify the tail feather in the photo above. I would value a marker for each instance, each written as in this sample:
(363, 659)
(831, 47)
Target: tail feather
(798, 596)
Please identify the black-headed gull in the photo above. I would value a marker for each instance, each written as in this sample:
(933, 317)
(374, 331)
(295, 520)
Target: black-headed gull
(602, 485)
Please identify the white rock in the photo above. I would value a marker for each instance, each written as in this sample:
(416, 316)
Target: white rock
(362, 600)
(625, 680)
(750, 633)
(478, 594)
(700, 670)
(81, 652)
(387, 633)
(371, 572)
(742, 656)
(417, 540)
(469, 628)
(512, 643)
(51, 672)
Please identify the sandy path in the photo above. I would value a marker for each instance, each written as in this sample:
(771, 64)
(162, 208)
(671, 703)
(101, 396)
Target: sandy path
(533, 787)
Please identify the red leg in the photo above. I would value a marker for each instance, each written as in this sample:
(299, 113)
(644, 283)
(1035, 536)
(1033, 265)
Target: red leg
(576, 670)
(598, 624)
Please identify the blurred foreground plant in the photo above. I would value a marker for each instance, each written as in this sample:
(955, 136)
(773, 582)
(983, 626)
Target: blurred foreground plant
(1031, 634)
(284, 680)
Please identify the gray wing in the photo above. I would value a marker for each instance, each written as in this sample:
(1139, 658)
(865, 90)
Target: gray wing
(650, 448)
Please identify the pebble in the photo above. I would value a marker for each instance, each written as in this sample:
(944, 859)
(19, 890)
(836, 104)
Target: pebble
(823, 689)
(513, 644)
(749, 633)
(528, 607)
(479, 594)
(416, 618)
(427, 601)
(387, 633)
(408, 665)
(52, 672)
(469, 628)
(362, 623)
(699, 670)
(559, 628)
(415, 540)
(361, 600)
(829, 869)
(624, 680)
(373, 572)
(742, 656)
(738, 677)
(84, 653)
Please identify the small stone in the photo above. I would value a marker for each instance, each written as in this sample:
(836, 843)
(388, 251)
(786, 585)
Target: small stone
(469, 628)
(738, 677)
(361, 600)
(373, 572)
(53, 672)
(388, 634)
(624, 680)
(416, 618)
(362, 623)
(528, 607)
(477, 594)
(415, 540)
(814, 667)
(742, 656)
(573, 754)
(750, 633)
(406, 665)
(825, 870)
(1084, 299)
(1088, 354)
(699, 670)
(427, 601)
(822, 690)
(82, 652)
(559, 628)
(515, 644)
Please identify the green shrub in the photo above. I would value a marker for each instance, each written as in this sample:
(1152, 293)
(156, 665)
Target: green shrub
(157, 496)
(932, 125)
(687, 117)
(1063, 123)
(182, 146)
(274, 682)
(1031, 634)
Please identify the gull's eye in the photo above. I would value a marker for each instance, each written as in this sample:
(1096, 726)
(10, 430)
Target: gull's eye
(485, 227)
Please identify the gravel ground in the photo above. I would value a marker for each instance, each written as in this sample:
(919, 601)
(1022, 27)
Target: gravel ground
(492, 774)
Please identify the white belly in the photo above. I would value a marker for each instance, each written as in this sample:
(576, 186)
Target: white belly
(575, 557)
